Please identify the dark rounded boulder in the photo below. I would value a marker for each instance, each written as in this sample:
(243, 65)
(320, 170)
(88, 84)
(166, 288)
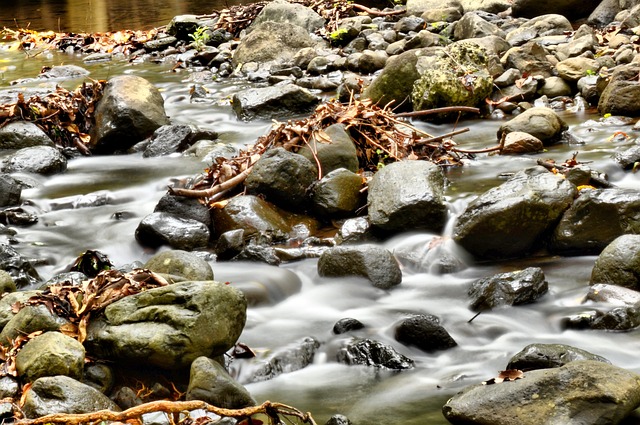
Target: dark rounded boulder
(425, 332)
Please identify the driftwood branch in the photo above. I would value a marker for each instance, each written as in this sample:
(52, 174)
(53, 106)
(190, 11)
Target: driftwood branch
(444, 110)
(378, 12)
(597, 181)
(208, 193)
(439, 138)
(170, 407)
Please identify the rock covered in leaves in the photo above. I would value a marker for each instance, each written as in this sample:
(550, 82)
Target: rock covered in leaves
(513, 288)
(50, 354)
(368, 352)
(425, 332)
(339, 153)
(586, 392)
(170, 326)
(407, 195)
(62, 394)
(509, 220)
(209, 381)
(619, 263)
(544, 356)
(268, 103)
(372, 262)
(44, 160)
(130, 110)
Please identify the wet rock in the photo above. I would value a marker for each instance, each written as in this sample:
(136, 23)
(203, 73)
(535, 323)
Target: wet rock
(409, 23)
(508, 221)
(6, 283)
(539, 122)
(289, 359)
(50, 354)
(336, 150)
(253, 215)
(518, 142)
(10, 190)
(338, 420)
(44, 160)
(368, 352)
(182, 26)
(616, 319)
(23, 134)
(290, 13)
(180, 263)
(211, 383)
(8, 300)
(472, 26)
(283, 177)
(271, 42)
(160, 44)
(337, 193)
(539, 26)
(418, 7)
(619, 263)
(357, 229)
(18, 216)
(407, 195)
(425, 332)
(586, 392)
(170, 326)
(513, 288)
(130, 110)
(126, 398)
(258, 254)
(621, 95)
(595, 219)
(545, 356)
(454, 76)
(61, 394)
(372, 262)
(346, 325)
(184, 207)
(168, 139)
(99, 376)
(273, 102)
(160, 228)
(9, 387)
(529, 59)
(613, 294)
(31, 318)
(64, 72)
(20, 269)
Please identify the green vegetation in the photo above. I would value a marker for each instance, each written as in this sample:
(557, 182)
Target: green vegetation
(200, 38)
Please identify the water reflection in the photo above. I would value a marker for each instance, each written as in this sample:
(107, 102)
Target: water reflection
(100, 15)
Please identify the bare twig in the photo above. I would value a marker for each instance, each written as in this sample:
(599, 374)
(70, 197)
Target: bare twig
(208, 193)
(441, 137)
(444, 110)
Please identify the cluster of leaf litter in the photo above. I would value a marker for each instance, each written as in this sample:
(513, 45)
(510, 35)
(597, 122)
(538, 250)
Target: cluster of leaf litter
(379, 135)
(65, 116)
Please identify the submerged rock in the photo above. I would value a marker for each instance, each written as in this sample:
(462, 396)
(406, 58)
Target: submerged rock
(545, 356)
(585, 392)
(297, 356)
(513, 288)
(368, 352)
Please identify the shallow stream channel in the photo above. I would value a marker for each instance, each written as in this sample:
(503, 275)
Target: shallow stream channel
(99, 202)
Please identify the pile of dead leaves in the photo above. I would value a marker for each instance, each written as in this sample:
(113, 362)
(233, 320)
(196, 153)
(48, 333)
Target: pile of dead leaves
(66, 116)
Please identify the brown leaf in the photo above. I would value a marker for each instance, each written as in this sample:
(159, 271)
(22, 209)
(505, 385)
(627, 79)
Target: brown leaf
(505, 375)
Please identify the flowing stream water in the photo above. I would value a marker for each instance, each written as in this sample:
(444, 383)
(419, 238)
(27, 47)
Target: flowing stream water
(129, 186)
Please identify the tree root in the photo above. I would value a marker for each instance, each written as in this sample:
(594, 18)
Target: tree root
(268, 408)
(209, 193)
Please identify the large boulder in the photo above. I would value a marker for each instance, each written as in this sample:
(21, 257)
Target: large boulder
(290, 13)
(273, 102)
(512, 288)
(539, 122)
(572, 9)
(44, 160)
(170, 326)
(130, 110)
(619, 263)
(455, 76)
(509, 220)
(622, 94)
(581, 392)
(23, 134)
(62, 394)
(271, 42)
(407, 195)
(50, 354)
(595, 219)
(372, 262)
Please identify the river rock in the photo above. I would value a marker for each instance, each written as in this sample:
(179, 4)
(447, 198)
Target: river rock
(99, 376)
(6, 283)
(290, 13)
(619, 263)
(425, 332)
(211, 383)
(283, 177)
(418, 7)
(9, 387)
(372, 262)
(7, 301)
(170, 326)
(62, 394)
(368, 352)
(273, 102)
(182, 26)
(338, 420)
(539, 26)
(572, 69)
(545, 356)
(31, 318)
(333, 148)
(50, 354)
(20, 269)
(347, 324)
(181, 206)
(130, 110)
(160, 228)
(455, 76)
(586, 392)
(23, 134)
(613, 294)
(367, 61)
(407, 195)
(595, 219)
(512, 288)
(540, 122)
(10, 191)
(337, 194)
(555, 87)
(296, 356)
(572, 9)
(44, 160)
(168, 139)
(529, 59)
(271, 42)
(622, 94)
(508, 221)
(473, 26)
(180, 263)
(253, 215)
(519, 142)
(628, 158)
